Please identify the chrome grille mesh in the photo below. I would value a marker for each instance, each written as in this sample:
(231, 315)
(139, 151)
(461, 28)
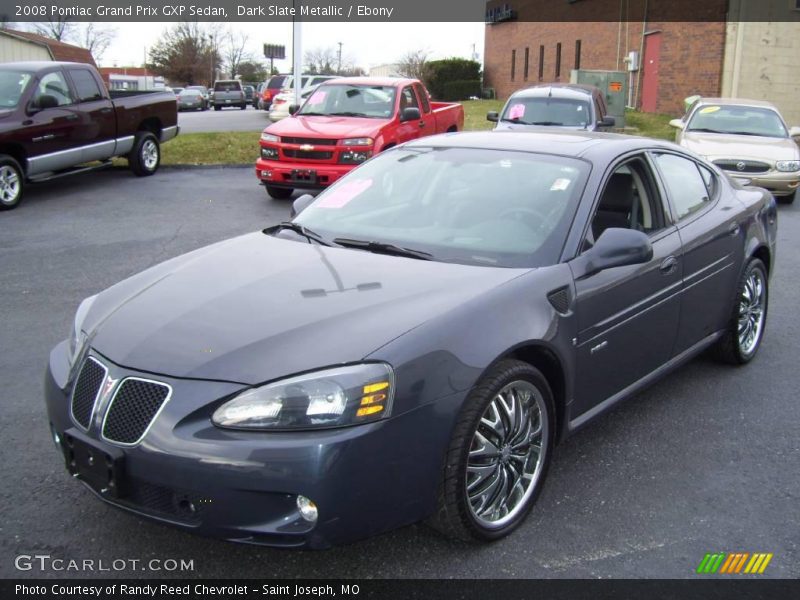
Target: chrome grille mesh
(86, 390)
(134, 406)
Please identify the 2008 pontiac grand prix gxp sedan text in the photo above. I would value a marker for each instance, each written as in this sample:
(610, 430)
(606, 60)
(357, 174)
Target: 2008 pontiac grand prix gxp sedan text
(413, 344)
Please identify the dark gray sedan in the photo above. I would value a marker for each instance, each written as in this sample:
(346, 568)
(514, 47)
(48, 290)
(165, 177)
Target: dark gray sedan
(414, 343)
(191, 100)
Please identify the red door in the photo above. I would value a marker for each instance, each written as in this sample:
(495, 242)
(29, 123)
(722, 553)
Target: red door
(652, 54)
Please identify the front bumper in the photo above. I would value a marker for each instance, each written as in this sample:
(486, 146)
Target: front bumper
(776, 182)
(242, 486)
(285, 174)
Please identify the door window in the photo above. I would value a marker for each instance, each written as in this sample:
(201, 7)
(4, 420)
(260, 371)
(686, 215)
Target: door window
(408, 99)
(54, 84)
(85, 85)
(685, 185)
(423, 96)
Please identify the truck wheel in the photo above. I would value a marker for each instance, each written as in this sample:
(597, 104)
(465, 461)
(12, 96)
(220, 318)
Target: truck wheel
(12, 183)
(279, 193)
(243, 107)
(145, 157)
(217, 107)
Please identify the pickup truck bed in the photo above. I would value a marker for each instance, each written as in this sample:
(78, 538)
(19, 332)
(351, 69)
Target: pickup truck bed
(56, 117)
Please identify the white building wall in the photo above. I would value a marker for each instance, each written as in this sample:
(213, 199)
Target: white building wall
(13, 49)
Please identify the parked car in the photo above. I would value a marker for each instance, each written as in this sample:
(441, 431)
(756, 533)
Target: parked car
(191, 100)
(414, 343)
(249, 93)
(203, 90)
(565, 105)
(271, 88)
(281, 103)
(228, 92)
(177, 90)
(748, 139)
(342, 124)
(257, 95)
(56, 116)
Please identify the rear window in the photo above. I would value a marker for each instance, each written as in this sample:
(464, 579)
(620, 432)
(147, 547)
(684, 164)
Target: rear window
(275, 83)
(228, 86)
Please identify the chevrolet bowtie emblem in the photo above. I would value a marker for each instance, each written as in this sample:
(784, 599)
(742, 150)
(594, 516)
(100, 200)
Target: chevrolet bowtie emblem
(306, 147)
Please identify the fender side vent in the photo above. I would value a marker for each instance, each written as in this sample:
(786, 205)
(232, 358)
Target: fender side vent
(560, 300)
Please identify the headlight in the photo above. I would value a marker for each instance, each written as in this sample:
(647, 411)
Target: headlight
(268, 137)
(354, 157)
(787, 166)
(330, 398)
(77, 338)
(357, 142)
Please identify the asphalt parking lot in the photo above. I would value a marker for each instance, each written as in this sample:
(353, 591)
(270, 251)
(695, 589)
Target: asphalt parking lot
(227, 119)
(706, 461)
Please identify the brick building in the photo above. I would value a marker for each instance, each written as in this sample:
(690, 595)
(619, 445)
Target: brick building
(541, 41)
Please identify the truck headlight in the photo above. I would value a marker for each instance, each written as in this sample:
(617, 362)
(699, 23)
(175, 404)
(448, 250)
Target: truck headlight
(77, 339)
(363, 141)
(787, 166)
(329, 398)
(268, 137)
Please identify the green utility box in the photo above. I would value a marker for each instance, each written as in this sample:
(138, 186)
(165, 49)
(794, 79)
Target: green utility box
(613, 83)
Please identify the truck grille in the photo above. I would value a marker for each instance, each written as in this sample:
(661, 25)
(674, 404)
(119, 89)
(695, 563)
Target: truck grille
(747, 166)
(133, 408)
(308, 154)
(86, 390)
(312, 141)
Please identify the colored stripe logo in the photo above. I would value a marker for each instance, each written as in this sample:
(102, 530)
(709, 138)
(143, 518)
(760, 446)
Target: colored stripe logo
(734, 562)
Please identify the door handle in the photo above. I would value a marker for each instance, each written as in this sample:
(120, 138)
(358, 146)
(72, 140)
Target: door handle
(668, 265)
(734, 229)
(105, 110)
(72, 117)
(421, 124)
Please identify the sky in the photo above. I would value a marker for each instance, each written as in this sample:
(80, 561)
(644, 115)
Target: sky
(365, 44)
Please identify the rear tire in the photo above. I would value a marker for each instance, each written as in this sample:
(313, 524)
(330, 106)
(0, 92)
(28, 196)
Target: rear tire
(279, 193)
(498, 456)
(217, 107)
(243, 107)
(788, 199)
(745, 329)
(12, 182)
(145, 158)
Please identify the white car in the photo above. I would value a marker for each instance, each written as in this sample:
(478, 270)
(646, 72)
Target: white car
(279, 109)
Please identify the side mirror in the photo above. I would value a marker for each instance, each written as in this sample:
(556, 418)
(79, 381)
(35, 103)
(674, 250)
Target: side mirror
(492, 116)
(607, 122)
(410, 113)
(300, 205)
(677, 123)
(293, 108)
(43, 102)
(618, 247)
(794, 132)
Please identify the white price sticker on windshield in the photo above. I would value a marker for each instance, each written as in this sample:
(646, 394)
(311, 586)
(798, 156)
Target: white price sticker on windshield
(560, 184)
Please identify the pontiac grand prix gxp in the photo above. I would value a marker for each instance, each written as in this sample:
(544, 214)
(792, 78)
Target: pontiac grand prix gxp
(414, 342)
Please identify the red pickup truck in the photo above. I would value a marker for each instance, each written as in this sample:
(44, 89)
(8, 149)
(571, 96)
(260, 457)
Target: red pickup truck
(342, 124)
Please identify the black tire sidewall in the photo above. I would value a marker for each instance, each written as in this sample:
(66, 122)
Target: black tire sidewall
(6, 160)
(279, 193)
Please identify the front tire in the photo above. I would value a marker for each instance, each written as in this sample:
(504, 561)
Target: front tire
(279, 193)
(498, 456)
(788, 199)
(12, 182)
(145, 157)
(745, 329)
(217, 107)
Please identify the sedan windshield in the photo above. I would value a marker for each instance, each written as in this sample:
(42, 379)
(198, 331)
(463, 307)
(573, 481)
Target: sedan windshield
(374, 101)
(738, 120)
(12, 86)
(469, 206)
(562, 112)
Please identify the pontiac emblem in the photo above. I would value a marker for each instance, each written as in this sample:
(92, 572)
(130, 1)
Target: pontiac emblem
(306, 147)
(740, 165)
(108, 386)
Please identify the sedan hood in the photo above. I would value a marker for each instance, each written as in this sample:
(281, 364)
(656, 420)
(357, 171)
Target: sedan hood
(256, 308)
(328, 127)
(747, 147)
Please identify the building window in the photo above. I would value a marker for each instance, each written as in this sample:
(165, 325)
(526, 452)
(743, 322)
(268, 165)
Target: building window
(527, 57)
(513, 63)
(577, 54)
(558, 60)
(541, 63)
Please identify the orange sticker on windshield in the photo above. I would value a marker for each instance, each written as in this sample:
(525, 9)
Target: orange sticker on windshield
(343, 194)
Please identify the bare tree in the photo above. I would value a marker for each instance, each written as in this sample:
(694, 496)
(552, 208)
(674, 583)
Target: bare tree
(321, 61)
(96, 38)
(234, 51)
(61, 29)
(413, 64)
(187, 54)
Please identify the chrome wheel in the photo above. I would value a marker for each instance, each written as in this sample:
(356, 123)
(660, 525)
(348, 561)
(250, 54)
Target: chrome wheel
(150, 155)
(751, 311)
(506, 454)
(9, 185)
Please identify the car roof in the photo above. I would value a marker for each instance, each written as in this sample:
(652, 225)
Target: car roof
(383, 81)
(560, 90)
(38, 65)
(582, 144)
(736, 102)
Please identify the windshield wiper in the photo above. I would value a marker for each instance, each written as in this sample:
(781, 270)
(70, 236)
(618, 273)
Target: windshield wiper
(705, 130)
(348, 114)
(307, 233)
(312, 114)
(515, 121)
(383, 248)
(749, 133)
(553, 123)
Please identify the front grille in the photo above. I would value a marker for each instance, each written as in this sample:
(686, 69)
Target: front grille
(747, 166)
(309, 154)
(164, 502)
(312, 141)
(134, 406)
(86, 390)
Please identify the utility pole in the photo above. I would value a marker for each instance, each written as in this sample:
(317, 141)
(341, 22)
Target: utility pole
(339, 67)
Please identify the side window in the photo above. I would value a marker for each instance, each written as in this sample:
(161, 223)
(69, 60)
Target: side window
(685, 185)
(85, 85)
(629, 200)
(54, 84)
(408, 99)
(710, 179)
(423, 97)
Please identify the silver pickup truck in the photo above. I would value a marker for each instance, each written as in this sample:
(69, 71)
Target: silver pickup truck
(228, 92)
